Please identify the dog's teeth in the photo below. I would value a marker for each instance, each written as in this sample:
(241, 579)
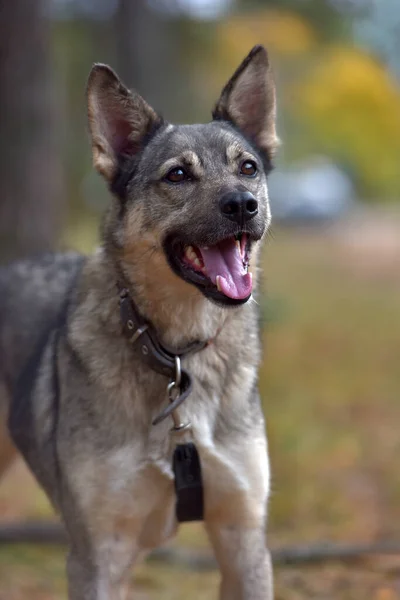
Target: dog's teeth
(238, 247)
(192, 257)
(217, 281)
(190, 253)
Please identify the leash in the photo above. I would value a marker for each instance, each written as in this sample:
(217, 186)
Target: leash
(186, 461)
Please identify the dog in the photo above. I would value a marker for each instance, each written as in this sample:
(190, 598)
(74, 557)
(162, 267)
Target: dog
(111, 363)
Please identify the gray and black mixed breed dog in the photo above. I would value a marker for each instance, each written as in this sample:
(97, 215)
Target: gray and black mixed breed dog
(189, 209)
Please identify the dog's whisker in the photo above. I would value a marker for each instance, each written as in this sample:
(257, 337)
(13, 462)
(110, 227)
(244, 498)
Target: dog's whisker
(253, 300)
(270, 233)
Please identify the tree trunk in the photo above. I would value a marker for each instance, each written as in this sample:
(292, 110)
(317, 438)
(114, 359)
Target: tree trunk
(30, 168)
(148, 56)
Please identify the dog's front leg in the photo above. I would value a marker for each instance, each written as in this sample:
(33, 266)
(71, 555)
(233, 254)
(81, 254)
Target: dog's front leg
(100, 575)
(244, 561)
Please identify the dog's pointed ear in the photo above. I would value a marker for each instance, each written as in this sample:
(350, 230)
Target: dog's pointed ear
(248, 101)
(119, 120)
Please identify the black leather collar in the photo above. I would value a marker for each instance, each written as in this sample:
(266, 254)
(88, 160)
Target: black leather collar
(143, 336)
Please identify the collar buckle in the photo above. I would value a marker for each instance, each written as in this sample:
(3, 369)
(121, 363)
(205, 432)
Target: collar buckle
(136, 334)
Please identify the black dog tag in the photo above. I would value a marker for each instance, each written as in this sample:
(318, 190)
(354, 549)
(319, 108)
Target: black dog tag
(188, 483)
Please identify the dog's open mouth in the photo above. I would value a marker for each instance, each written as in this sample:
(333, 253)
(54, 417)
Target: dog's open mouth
(221, 271)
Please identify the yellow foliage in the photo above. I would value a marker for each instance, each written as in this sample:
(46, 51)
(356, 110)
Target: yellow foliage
(350, 108)
(336, 100)
(282, 32)
(285, 35)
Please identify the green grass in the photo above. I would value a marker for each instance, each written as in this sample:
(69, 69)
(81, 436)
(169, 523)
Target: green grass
(330, 385)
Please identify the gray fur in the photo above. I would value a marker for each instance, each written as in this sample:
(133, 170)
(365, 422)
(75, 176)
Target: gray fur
(82, 401)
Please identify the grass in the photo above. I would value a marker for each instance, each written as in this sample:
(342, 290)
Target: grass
(330, 385)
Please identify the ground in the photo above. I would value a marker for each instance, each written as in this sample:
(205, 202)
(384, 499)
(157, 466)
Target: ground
(330, 385)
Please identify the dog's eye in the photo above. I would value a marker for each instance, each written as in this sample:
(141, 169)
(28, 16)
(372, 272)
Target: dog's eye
(248, 168)
(177, 175)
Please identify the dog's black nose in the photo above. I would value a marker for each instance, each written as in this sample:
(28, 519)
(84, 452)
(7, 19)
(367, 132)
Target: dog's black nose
(239, 206)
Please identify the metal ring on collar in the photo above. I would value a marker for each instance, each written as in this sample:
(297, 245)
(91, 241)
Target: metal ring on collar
(172, 391)
(180, 427)
(178, 371)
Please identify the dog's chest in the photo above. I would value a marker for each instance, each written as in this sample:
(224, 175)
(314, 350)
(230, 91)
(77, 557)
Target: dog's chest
(131, 490)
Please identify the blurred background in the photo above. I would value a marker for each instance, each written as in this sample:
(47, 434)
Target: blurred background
(331, 293)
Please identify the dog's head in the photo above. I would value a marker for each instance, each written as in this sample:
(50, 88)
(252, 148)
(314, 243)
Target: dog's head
(194, 197)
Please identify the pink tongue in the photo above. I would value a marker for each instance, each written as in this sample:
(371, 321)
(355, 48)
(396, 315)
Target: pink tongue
(224, 260)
